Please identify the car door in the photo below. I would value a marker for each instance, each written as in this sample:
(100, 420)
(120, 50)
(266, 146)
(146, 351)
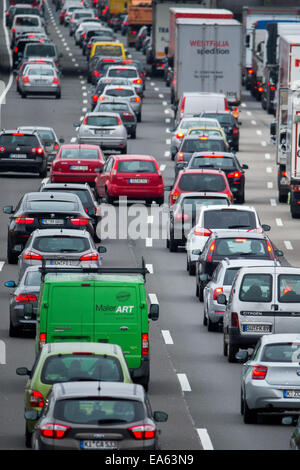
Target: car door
(103, 177)
(287, 300)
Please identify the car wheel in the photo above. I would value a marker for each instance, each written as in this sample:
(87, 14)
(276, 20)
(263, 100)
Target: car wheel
(250, 416)
(192, 269)
(204, 317)
(241, 198)
(200, 293)
(173, 247)
(225, 347)
(58, 96)
(168, 243)
(211, 326)
(12, 258)
(124, 150)
(133, 134)
(27, 437)
(282, 197)
(139, 117)
(43, 173)
(23, 95)
(159, 200)
(13, 332)
(232, 350)
(109, 199)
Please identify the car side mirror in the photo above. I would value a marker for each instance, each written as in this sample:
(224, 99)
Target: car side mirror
(242, 356)
(204, 277)
(245, 167)
(32, 415)
(76, 124)
(8, 209)
(168, 188)
(266, 228)
(278, 253)
(160, 416)
(61, 140)
(23, 371)
(101, 249)
(10, 284)
(154, 312)
(198, 253)
(18, 248)
(221, 299)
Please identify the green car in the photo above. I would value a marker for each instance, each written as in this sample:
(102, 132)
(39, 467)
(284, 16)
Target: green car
(70, 361)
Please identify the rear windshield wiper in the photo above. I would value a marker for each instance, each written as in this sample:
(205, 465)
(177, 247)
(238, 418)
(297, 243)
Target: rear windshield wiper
(239, 226)
(111, 420)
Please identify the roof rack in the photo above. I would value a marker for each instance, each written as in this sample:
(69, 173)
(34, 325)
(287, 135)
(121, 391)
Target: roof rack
(90, 270)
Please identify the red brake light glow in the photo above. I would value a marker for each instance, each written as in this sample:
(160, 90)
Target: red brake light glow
(93, 256)
(22, 219)
(143, 431)
(217, 291)
(259, 372)
(145, 344)
(79, 221)
(36, 399)
(32, 255)
(54, 431)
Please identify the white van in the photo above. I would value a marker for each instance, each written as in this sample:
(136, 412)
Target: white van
(196, 103)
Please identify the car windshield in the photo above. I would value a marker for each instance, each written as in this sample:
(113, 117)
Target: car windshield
(119, 92)
(83, 194)
(205, 132)
(19, 139)
(102, 121)
(289, 288)
(113, 107)
(281, 352)
(44, 71)
(51, 206)
(40, 50)
(191, 204)
(202, 144)
(46, 135)
(27, 21)
(61, 244)
(125, 73)
(75, 153)
(136, 166)
(76, 367)
(109, 50)
(229, 219)
(187, 124)
(202, 182)
(224, 119)
(83, 15)
(237, 247)
(229, 276)
(256, 288)
(33, 278)
(223, 163)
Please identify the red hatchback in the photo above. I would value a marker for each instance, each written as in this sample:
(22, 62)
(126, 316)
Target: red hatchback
(134, 176)
(77, 163)
(200, 180)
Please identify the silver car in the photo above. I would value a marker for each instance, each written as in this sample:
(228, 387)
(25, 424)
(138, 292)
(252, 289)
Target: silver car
(26, 24)
(104, 129)
(270, 381)
(221, 283)
(75, 16)
(180, 131)
(127, 93)
(40, 79)
(59, 247)
(129, 72)
(49, 139)
(84, 25)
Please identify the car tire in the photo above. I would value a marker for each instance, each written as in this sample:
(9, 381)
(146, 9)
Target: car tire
(124, 150)
(13, 331)
(58, 96)
(250, 416)
(282, 197)
(211, 326)
(232, 350)
(192, 269)
(11, 257)
(204, 317)
(133, 134)
(225, 347)
(173, 247)
(159, 201)
(139, 117)
(43, 173)
(168, 243)
(200, 296)
(241, 198)
(23, 95)
(108, 198)
(28, 438)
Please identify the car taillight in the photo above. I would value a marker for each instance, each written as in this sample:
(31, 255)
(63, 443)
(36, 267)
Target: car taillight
(26, 298)
(56, 146)
(36, 399)
(42, 341)
(143, 432)
(32, 255)
(97, 74)
(55, 81)
(22, 219)
(54, 431)
(234, 319)
(273, 88)
(145, 344)
(236, 174)
(128, 115)
(25, 79)
(136, 99)
(2, 149)
(180, 135)
(270, 249)
(182, 105)
(174, 196)
(250, 71)
(210, 251)
(139, 81)
(235, 131)
(119, 121)
(16, 49)
(93, 256)
(37, 150)
(180, 157)
(259, 372)
(202, 232)
(217, 291)
(79, 221)
(13, 30)
(95, 98)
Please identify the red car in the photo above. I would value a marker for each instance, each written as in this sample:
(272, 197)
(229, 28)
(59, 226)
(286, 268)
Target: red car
(77, 163)
(200, 180)
(134, 176)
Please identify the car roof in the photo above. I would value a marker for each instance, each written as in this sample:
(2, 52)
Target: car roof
(68, 347)
(99, 114)
(203, 194)
(99, 389)
(218, 154)
(122, 66)
(67, 185)
(45, 196)
(37, 128)
(239, 234)
(211, 137)
(15, 131)
(201, 170)
(79, 146)
(124, 87)
(134, 157)
(280, 338)
(234, 207)
(242, 262)
(60, 231)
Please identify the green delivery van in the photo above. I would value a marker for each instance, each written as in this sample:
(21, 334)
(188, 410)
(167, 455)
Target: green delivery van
(98, 307)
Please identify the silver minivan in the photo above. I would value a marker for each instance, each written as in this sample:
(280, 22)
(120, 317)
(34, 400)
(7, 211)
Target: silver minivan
(196, 103)
(261, 302)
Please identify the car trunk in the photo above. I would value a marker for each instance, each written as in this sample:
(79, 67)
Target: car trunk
(139, 179)
(283, 374)
(78, 165)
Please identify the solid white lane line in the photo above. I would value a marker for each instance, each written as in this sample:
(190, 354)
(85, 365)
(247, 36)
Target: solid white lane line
(205, 439)
(184, 383)
(288, 245)
(167, 336)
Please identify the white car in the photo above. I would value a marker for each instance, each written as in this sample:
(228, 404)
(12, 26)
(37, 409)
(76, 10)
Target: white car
(26, 24)
(219, 218)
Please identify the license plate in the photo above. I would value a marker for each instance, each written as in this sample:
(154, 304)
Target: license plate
(257, 328)
(79, 167)
(102, 132)
(291, 394)
(52, 221)
(17, 155)
(138, 180)
(101, 445)
(62, 262)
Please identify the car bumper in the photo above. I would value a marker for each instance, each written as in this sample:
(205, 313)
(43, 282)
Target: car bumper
(142, 192)
(215, 312)
(243, 341)
(71, 178)
(23, 165)
(262, 395)
(20, 319)
(43, 89)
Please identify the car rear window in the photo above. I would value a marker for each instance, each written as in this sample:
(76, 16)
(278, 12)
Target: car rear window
(113, 107)
(40, 50)
(84, 154)
(25, 21)
(119, 92)
(136, 166)
(102, 121)
(241, 246)
(202, 145)
(51, 206)
(33, 278)
(126, 73)
(202, 182)
(83, 15)
(190, 204)
(83, 194)
(58, 244)
(187, 124)
(44, 71)
(99, 410)
(256, 288)
(46, 135)
(224, 119)
(206, 132)
(281, 352)
(222, 163)
(20, 140)
(75, 367)
(229, 219)
(229, 276)
(289, 288)
(108, 50)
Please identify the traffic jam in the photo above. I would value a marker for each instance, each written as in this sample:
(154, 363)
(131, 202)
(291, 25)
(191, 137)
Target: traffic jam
(150, 190)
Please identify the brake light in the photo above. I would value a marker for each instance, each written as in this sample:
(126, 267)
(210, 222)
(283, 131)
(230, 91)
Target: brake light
(128, 115)
(120, 123)
(272, 88)
(143, 432)
(84, 122)
(202, 232)
(133, 32)
(203, 137)
(26, 298)
(42, 341)
(92, 256)
(16, 49)
(260, 89)
(54, 431)
(56, 146)
(180, 135)
(95, 98)
(174, 196)
(22, 219)
(226, 104)
(236, 174)
(2, 149)
(32, 255)
(281, 173)
(211, 250)
(36, 399)
(139, 81)
(137, 99)
(37, 150)
(182, 105)
(79, 221)
(145, 344)
(217, 291)
(235, 131)
(269, 247)
(55, 81)
(18, 134)
(97, 74)
(259, 372)
(234, 319)
(180, 157)
(13, 30)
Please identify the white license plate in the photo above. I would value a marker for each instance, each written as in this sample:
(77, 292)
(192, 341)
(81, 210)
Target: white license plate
(257, 328)
(79, 167)
(291, 394)
(102, 132)
(17, 155)
(52, 221)
(62, 262)
(138, 181)
(101, 445)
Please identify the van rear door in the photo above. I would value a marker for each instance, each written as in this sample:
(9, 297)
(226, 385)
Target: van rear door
(70, 312)
(287, 304)
(118, 319)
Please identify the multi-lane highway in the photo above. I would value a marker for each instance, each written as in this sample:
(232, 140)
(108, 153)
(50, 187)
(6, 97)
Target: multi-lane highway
(190, 378)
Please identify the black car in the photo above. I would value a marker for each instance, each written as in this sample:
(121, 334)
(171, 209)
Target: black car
(40, 211)
(226, 162)
(22, 152)
(93, 35)
(231, 244)
(125, 111)
(102, 83)
(230, 125)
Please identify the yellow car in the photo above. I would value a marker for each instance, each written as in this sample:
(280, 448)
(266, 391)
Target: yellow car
(110, 49)
(208, 131)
